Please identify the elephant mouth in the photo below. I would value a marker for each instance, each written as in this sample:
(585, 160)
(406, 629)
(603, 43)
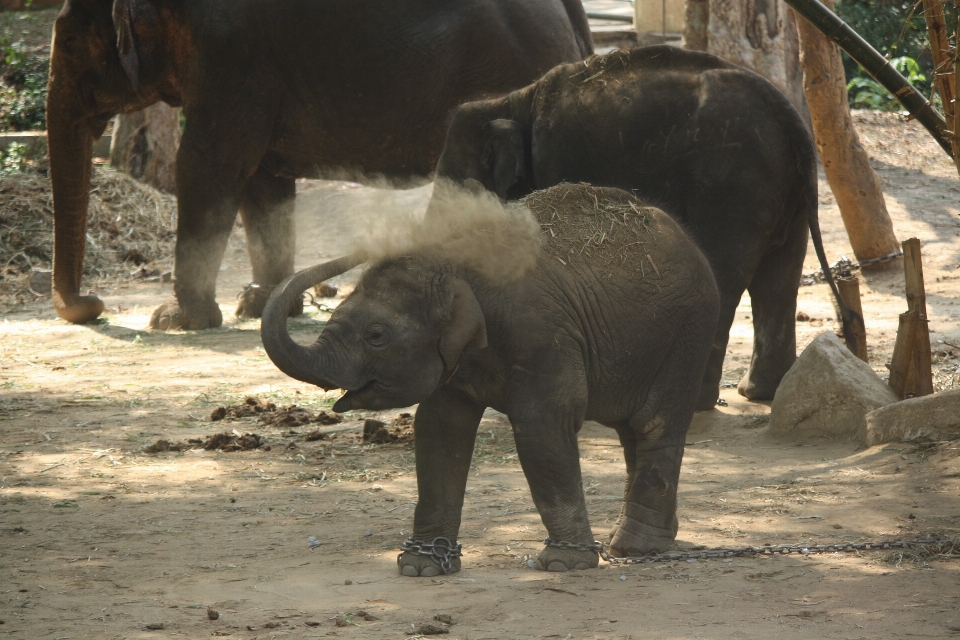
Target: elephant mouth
(358, 398)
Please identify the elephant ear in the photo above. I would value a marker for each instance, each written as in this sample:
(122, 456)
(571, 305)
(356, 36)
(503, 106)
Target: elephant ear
(138, 25)
(462, 327)
(503, 155)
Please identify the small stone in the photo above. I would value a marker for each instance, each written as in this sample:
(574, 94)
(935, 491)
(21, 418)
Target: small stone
(312, 542)
(623, 577)
(212, 614)
(311, 623)
(444, 618)
(802, 317)
(154, 626)
(348, 582)
(368, 532)
(326, 290)
(340, 621)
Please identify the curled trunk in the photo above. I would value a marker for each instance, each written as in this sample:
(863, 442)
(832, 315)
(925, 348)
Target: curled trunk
(304, 363)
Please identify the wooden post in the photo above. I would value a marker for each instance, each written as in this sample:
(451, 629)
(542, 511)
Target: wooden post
(900, 365)
(956, 99)
(917, 301)
(850, 292)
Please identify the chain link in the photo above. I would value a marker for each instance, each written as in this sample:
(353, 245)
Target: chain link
(768, 550)
(441, 550)
(842, 268)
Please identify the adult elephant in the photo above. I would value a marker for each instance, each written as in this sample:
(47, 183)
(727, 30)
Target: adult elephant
(714, 145)
(273, 90)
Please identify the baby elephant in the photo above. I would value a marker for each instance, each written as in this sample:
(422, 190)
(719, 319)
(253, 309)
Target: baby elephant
(612, 320)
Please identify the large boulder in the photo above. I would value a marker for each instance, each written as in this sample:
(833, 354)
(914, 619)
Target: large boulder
(828, 392)
(926, 419)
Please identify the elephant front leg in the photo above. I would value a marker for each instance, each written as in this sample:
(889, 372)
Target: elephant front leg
(551, 462)
(445, 430)
(267, 210)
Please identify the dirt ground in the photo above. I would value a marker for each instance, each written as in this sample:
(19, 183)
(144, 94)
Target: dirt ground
(99, 539)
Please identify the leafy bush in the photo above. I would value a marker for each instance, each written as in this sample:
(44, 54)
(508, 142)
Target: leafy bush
(866, 93)
(23, 88)
(14, 159)
(898, 31)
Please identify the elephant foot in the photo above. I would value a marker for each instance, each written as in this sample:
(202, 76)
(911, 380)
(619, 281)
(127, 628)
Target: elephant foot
(633, 538)
(757, 389)
(253, 299)
(171, 315)
(557, 560)
(77, 309)
(708, 398)
(414, 564)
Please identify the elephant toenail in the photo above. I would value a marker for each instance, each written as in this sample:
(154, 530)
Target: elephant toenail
(581, 565)
(556, 567)
(538, 565)
(429, 572)
(408, 570)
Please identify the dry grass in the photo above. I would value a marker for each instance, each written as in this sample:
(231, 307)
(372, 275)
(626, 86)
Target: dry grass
(129, 225)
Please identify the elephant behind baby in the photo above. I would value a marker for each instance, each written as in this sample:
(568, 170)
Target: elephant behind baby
(273, 90)
(715, 145)
(611, 320)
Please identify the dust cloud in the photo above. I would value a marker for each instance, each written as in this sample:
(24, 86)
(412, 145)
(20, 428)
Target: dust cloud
(467, 226)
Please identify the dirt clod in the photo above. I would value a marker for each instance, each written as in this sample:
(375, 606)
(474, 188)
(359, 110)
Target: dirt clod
(272, 415)
(429, 630)
(154, 626)
(802, 317)
(341, 621)
(226, 442)
(444, 618)
(213, 614)
(376, 432)
(366, 616)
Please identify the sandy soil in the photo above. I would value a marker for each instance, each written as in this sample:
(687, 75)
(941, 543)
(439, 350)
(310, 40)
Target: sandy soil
(101, 540)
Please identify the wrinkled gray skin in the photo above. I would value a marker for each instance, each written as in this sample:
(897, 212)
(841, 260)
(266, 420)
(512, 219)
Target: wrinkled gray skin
(563, 344)
(715, 145)
(274, 90)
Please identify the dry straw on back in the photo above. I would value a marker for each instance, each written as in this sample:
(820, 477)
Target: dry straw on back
(605, 226)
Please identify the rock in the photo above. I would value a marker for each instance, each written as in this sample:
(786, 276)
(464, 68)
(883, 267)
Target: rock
(212, 614)
(925, 419)
(41, 281)
(828, 392)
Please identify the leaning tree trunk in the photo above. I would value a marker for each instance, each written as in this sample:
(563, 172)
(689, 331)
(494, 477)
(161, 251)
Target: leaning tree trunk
(852, 179)
(758, 34)
(145, 145)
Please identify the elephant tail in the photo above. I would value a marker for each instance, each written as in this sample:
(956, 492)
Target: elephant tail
(581, 26)
(807, 165)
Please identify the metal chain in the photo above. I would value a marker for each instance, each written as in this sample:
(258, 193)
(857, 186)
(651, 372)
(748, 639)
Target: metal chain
(842, 267)
(441, 550)
(769, 550)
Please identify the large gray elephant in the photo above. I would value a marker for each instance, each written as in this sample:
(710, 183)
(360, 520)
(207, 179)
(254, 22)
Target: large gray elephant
(715, 145)
(612, 321)
(273, 90)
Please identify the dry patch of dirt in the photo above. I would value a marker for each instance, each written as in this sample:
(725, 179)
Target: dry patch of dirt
(99, 539)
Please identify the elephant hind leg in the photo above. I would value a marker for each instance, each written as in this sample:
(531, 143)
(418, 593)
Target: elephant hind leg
(266, 208)
(648, 522)
(773, 295)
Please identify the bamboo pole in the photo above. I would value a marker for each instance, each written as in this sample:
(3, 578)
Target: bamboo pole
(917, 301)
(877, 67)
(940, 51)
(850, 292)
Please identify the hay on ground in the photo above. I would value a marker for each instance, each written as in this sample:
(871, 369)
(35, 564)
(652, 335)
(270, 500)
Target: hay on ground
(129, 225)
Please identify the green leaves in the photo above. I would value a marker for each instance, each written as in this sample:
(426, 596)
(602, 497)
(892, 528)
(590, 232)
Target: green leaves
(866, 93)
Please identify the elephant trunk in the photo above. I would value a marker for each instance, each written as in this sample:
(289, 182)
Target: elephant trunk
(297, 361)
(70, 143)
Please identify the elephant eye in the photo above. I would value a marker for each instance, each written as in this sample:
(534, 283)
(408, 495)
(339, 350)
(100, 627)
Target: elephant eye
(376, 335)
